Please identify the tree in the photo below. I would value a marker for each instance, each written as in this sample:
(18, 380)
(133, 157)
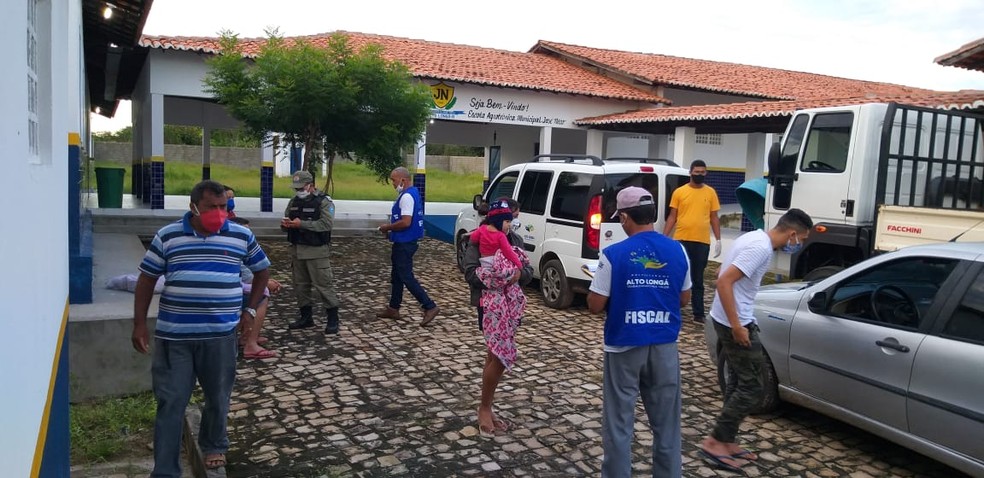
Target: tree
(333, 100)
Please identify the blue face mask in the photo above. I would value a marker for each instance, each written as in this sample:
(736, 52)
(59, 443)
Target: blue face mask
(230, 204)
(791, 248)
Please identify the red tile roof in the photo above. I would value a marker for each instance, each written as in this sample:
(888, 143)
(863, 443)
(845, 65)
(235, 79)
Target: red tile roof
(964, 99)
(452, 62)
(730, 78)
(969, 56)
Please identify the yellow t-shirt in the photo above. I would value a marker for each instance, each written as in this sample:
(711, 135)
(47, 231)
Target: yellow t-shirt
(694, 207)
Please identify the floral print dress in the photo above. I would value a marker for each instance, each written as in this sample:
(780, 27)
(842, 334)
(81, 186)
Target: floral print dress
(503, 305)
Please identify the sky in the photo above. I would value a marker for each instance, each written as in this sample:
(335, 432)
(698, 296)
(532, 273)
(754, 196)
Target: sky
(893, 41)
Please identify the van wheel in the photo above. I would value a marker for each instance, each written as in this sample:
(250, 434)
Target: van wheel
(461, 244)
(770, 393)
(553, 284)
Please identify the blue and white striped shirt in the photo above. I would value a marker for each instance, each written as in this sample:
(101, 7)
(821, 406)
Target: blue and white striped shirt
(202, 295)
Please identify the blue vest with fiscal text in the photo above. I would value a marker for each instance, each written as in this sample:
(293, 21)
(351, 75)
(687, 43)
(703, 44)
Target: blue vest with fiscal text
(648, 271)
(416, 229)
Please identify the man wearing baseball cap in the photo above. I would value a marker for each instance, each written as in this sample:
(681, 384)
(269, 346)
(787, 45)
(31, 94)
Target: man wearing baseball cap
(641, 283)
(308, 222)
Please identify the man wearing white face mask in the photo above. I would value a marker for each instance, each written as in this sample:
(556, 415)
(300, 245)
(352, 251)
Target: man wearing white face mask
(738, 282)
(406, 226)
(308, 223)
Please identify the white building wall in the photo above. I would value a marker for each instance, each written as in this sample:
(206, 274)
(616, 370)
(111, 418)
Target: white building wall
(729, 155)
(33, 194)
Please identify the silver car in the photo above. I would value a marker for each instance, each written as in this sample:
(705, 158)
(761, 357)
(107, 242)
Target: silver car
(893, 345)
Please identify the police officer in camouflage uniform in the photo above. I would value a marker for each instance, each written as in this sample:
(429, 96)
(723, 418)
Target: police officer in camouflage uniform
(308, 223)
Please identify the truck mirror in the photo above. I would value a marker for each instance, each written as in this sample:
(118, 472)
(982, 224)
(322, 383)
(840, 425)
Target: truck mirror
(773, 161)
(818, 302)
(477, 201)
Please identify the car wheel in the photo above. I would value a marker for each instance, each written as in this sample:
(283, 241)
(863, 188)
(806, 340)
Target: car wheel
(821, 273)
(727, 380)
(553, 284)
(461, 244)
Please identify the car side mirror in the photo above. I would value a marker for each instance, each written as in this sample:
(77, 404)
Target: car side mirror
(818, 302)
(477, 202)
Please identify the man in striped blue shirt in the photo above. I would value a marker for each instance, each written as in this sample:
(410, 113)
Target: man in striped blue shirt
(200, 307)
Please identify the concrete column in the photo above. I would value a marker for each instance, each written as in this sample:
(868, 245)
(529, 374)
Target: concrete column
(136, 158)
(755, 156)
(596, 143)
(654, 146)
(156, 114)
(546, 139)
(206, 153)
(266, 173)
(146, 148)
(684, 145)
(420, 165)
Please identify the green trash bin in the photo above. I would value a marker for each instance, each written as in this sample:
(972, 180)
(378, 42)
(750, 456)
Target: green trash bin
(109, 185)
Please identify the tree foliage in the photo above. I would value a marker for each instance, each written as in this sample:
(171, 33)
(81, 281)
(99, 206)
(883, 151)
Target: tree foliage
(332, 100)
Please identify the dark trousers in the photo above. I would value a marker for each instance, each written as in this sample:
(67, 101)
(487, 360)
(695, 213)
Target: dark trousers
(746, 393)
(402, 276)
(697, 252)
(176, 364)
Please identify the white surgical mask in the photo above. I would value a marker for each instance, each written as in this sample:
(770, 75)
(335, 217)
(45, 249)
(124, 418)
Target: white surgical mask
(302, 194)
(399, 188)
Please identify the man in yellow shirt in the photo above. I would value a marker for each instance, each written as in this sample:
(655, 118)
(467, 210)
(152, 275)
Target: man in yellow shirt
(694, 212)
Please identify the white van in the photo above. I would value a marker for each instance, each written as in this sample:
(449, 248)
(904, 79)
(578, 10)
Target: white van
(566, 204)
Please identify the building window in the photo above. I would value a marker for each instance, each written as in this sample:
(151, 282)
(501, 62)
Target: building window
(33, 124)
(714, 139)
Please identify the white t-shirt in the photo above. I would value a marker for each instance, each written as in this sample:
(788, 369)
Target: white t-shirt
(406, 205)
(751, 254)
(601, 284)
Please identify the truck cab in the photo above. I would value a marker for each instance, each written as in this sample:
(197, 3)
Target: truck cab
(842, 164)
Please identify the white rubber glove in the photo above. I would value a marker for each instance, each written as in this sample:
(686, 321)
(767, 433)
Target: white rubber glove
(717, 248)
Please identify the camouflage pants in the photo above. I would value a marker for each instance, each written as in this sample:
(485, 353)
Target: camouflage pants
(314, 282)
(745, 393)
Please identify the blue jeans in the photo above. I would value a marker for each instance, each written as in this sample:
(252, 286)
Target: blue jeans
(176, 364)
(697, 252)
(402, 275)
(653, 372)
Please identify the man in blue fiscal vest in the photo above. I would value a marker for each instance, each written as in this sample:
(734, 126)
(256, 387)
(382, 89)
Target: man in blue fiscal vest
(642, 282)
(406, 226)
(308, 221)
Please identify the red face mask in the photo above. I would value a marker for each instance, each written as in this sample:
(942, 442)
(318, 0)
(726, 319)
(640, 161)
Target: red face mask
(213, 219)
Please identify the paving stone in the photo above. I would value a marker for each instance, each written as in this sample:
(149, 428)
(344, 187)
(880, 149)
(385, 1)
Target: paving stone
(389, 398)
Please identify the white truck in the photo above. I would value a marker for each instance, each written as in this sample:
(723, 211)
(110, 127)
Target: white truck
(876, 177)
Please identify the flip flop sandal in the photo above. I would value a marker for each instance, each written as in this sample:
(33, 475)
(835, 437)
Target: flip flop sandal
(718, 461)
(487, 432)
(745, 455)
(500, 424)
(262, 354)
(216, 462)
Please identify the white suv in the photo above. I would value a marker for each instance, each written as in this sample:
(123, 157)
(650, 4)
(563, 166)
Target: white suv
(566, 203)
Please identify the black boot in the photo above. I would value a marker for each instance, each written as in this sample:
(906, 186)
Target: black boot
(304, 321)
(331, 327)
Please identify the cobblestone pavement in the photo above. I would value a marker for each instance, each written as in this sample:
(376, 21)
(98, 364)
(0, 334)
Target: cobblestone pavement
(390, 398)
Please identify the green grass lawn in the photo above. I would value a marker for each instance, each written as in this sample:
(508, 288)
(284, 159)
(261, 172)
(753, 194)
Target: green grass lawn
(104, 429)
(352, 181)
